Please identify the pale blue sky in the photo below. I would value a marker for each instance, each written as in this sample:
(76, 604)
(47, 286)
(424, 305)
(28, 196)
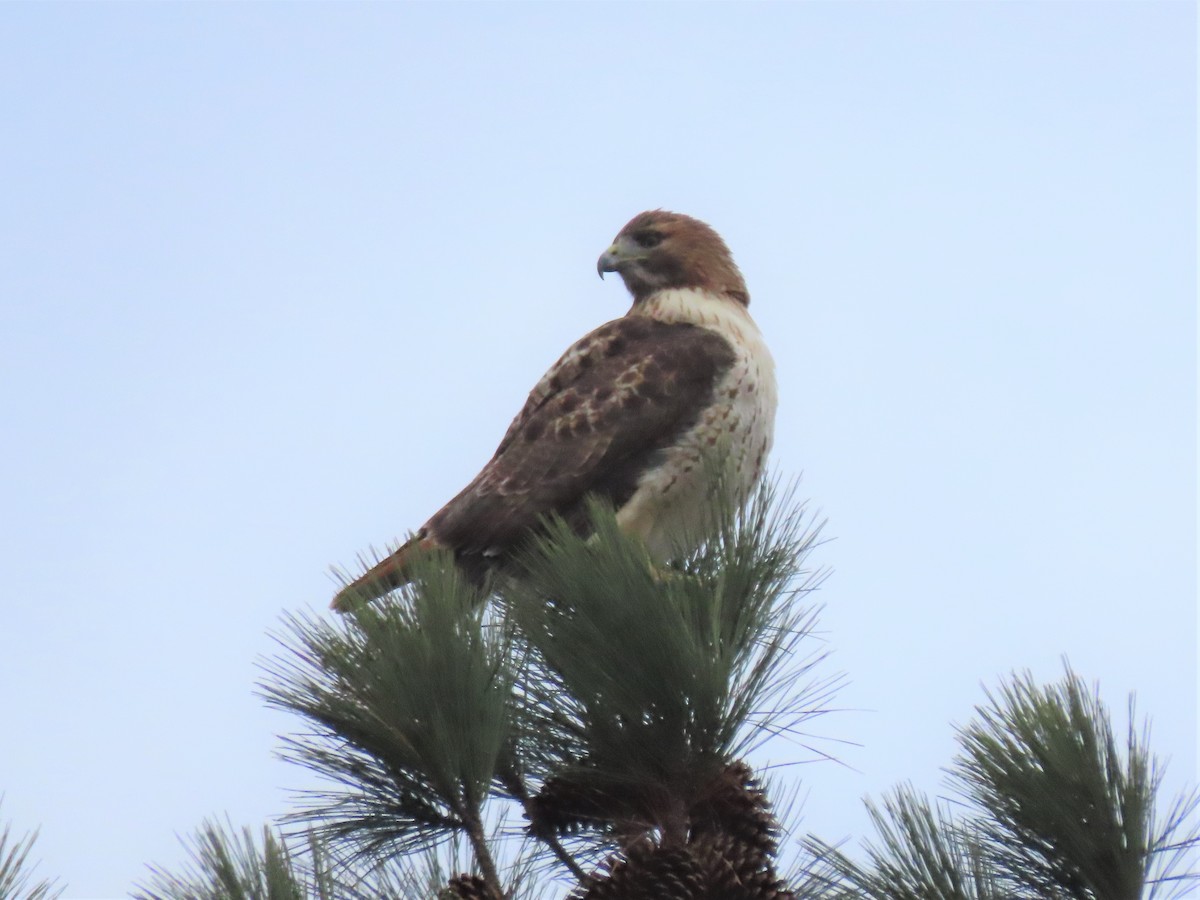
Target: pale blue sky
(274, 279)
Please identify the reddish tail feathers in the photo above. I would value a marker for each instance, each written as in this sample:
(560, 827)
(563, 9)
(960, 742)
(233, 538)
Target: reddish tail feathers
(386, 575)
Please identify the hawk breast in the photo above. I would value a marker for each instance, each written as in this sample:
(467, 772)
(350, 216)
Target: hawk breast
(674, 499)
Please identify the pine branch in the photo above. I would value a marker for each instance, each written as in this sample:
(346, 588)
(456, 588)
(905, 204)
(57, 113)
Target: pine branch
(514, 784)
(1068, 814)
(483, 855)
(226, 865)
(410, 705)
(1055, 811)
(16, 870)
(642, 685)
(623, 690)
(921, 854)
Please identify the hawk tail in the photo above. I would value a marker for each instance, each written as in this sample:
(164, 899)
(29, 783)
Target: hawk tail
(386, 575)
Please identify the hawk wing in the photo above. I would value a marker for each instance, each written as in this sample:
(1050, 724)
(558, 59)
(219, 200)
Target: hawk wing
(595, 423)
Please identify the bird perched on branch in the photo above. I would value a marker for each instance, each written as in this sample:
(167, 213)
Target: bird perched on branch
(629, 414)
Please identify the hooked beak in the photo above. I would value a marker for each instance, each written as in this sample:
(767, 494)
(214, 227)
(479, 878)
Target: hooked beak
(609, 260)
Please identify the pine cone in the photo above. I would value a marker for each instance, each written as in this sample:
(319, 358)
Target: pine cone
(730, 855)
(734, 871)
(648, 872)
(469, 887)
(735, 805)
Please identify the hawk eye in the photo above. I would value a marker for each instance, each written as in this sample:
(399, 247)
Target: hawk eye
(648, 239)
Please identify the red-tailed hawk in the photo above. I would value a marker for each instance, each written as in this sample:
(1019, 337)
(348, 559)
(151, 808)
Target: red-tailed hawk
(629, 413)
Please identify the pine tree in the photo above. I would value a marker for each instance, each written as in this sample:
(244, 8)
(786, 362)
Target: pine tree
(584, 728)
(606, 702)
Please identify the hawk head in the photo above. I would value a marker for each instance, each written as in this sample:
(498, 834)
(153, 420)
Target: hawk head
(660, 250)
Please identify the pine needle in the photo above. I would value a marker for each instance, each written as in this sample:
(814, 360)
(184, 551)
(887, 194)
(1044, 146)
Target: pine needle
(16, 870)
(409, 705)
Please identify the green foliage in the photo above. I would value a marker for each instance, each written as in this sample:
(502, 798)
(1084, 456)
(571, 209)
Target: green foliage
(610, 701)
(16, 871)
(920, 854)
(598, 692)
(225, 864)
(1067, 813)
(410, 706)
(1055, 811)
(640, 684)
(229, 866)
